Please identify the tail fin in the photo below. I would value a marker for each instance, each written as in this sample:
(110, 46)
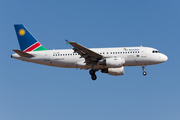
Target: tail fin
(27, 42)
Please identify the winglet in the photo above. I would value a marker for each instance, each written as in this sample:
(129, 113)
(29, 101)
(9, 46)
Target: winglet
(67, 41)
(23, 54)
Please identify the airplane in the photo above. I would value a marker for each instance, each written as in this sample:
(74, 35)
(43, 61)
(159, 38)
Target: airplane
(109, 60)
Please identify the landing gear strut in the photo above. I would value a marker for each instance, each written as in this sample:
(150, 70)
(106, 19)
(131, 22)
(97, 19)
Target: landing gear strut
(93, 75)
(144, 72)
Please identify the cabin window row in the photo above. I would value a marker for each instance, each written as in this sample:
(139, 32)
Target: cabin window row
(99, 53)
(64, 54)
(119, 52)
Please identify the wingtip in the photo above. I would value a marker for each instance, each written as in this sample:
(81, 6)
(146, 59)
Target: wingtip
(67, 41)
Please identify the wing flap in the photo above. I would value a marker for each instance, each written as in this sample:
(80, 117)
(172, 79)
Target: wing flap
(23, 54)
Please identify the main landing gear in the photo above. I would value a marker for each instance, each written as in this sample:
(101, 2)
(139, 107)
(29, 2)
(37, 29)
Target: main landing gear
(93, 75)
(144, 72)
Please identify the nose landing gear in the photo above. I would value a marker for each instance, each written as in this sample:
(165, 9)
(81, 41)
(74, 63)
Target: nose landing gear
(93, 75)
(144, 72)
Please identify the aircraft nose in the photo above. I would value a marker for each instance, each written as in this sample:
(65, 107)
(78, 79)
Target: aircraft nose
(164, 58)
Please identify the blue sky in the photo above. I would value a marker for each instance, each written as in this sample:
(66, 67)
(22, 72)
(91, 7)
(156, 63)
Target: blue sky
(31, 91)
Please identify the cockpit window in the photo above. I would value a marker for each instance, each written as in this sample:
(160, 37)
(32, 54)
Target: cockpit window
(155, 51)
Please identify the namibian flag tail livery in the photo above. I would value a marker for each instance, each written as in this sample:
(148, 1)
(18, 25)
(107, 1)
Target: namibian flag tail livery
(27, 42)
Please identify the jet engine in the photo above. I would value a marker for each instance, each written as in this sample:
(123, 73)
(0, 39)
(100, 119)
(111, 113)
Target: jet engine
(114, 71)
(112, 62)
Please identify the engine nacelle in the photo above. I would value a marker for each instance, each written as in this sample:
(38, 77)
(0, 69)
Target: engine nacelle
(114, 71)
(112, 62)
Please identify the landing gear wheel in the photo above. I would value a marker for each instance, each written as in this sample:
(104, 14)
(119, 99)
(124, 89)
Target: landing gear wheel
(91, 72)
(144, 73)
(94, 77)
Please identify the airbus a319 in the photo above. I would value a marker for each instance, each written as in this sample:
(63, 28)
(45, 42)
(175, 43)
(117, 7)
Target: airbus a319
(108, 60)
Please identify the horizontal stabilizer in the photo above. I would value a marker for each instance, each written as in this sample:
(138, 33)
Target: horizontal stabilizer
(23, 54)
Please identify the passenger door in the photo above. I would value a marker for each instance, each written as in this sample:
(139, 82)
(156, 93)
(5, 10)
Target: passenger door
(143, 52)
(47, 58)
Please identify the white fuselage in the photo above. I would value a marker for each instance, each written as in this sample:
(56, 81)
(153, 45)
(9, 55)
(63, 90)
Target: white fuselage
(66, 58)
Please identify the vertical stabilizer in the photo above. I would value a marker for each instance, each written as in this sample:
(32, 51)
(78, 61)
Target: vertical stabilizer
(27, 41)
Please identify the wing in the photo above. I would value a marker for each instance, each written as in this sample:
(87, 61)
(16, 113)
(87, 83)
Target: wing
(89, 55)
